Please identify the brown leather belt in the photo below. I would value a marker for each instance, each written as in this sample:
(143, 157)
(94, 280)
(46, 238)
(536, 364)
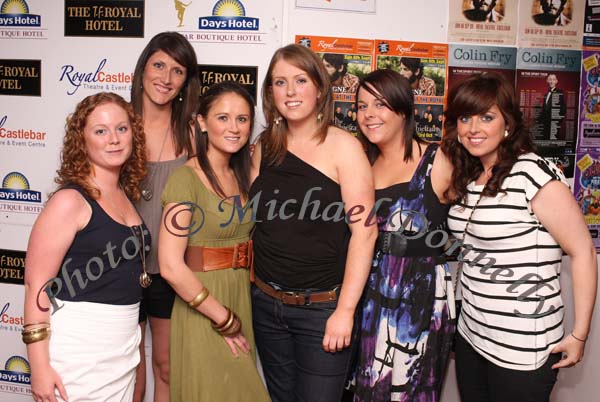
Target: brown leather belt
(203, 259)
(297, 298)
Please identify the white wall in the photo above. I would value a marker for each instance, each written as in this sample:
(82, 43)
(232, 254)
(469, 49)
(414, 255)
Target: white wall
(421, 20)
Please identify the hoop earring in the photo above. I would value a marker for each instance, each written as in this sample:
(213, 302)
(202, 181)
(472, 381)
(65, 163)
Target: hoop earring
(320, 118)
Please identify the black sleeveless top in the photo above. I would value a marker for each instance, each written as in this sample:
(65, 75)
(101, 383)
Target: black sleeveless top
(301, 237)
(103, 264)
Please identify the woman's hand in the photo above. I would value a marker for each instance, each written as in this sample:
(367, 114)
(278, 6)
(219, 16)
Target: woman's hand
(43, 383)
(572, 351)
(338, 331)
(237, 342)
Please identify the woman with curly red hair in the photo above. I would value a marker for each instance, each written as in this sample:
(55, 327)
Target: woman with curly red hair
(85, 261)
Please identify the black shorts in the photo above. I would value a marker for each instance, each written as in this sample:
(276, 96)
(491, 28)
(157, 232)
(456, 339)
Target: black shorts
(157, 300)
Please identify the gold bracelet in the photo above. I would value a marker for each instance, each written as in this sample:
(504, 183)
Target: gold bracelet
(34, 331)
(235, 329)
(226, 323)
(199, 299)
(36, 323)
(37, 337)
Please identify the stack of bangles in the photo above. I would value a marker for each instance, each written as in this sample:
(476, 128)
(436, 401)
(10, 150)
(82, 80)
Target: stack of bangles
(35, 332)
(231, 326)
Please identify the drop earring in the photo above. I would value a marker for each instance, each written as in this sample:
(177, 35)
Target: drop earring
(320, 118)
(458, 139)
(277, 120)
(505, 133)
(180, 97)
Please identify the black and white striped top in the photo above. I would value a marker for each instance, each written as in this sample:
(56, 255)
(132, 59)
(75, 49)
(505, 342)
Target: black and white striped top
(512, 311)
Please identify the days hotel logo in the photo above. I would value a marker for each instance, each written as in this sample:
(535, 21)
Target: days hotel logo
(229, 15)
(17, 196)
(100, 79)
(15, 13)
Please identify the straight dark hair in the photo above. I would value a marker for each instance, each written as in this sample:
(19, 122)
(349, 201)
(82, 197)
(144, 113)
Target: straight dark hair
(177, 47)
(475, 95)
(240, 161)
(391, 88)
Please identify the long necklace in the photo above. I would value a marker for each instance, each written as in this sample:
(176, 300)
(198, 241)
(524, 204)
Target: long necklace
(145, 279)
(148, 192)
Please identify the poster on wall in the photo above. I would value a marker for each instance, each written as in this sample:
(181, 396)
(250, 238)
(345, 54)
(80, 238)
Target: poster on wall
(347, 60)
(551, 23)
(464, 61)
(589, 104)
(548, 90)
(483, 21)
(424, 65)
(15, 377)
(591, 24)
(247, 76)
(587, 190)
(356, 6)
(104, 18)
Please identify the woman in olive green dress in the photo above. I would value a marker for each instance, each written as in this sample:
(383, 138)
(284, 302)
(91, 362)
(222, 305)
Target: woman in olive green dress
(205, 257)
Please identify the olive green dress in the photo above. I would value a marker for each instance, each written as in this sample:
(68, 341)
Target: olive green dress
(202, 367)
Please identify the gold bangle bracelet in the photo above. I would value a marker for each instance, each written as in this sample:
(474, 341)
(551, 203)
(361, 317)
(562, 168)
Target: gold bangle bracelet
(199, 299)
(235, 329)
(36, 323)
(26, 332)
(28, 339)
(226, 323)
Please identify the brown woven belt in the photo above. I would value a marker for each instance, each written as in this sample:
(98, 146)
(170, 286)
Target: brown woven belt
(297, 298)
(203, 259)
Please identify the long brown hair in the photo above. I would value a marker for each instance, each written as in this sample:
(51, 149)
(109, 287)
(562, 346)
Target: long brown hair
(395, 92)
(75, 166)
(177, 47)
(473, 96)
(274, 138)
(240, 161)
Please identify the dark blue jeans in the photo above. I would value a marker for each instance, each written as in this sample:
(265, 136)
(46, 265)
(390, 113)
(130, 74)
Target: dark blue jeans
(289, 341)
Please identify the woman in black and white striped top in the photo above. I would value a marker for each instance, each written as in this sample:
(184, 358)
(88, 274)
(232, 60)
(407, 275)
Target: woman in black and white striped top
(514, 215)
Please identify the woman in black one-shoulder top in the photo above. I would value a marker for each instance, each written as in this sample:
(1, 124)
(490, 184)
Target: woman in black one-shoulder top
(313, 241)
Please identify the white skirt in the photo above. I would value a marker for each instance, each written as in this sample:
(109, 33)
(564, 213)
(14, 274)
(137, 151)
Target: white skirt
(94, 348)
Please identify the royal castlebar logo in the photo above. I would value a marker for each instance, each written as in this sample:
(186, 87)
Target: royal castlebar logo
(229, 15)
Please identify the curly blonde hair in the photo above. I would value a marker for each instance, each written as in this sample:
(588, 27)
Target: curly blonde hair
(75, 167)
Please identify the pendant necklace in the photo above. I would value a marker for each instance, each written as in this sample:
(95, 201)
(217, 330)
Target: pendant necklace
(145, 279)
(147, 193)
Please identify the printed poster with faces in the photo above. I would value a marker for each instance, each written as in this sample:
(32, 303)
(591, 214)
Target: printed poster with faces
(548, 91)
(425, 66)
(551, 23)
(483, 21)
(587, 190)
